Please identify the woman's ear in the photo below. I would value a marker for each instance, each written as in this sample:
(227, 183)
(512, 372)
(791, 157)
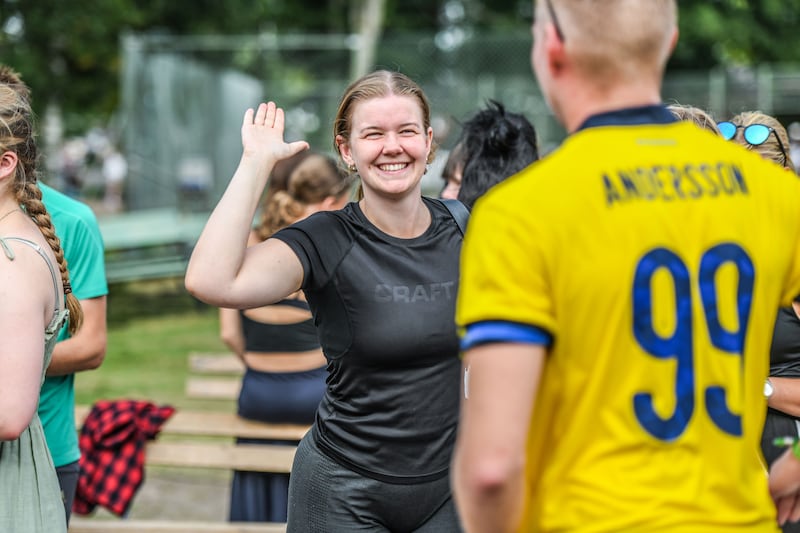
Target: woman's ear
(344, 150)
(8, 164)
(429, 142)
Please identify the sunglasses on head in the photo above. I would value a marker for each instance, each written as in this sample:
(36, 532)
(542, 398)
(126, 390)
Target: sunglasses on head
(754, 134)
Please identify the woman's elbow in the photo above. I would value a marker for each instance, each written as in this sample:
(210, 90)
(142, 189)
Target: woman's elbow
(11, 428)
(97, 358)
(192, 284)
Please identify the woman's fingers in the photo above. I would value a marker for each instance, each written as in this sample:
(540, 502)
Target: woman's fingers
(279, 119)
(248, 117)
(261, 114)
(272, 111)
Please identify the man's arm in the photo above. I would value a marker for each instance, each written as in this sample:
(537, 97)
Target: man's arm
(87, 348)
(489, 461)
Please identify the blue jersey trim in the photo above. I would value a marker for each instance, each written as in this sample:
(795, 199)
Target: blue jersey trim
(634, 116)
(497, 331)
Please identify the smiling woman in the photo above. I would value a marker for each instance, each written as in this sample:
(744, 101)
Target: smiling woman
(389, 144)
(380, 277)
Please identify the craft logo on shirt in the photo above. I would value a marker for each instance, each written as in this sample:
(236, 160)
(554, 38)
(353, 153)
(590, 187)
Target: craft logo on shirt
(428, 292)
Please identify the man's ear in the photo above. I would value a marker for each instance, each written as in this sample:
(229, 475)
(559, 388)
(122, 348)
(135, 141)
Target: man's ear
(8, 164)
(554, 48)
(674, 41)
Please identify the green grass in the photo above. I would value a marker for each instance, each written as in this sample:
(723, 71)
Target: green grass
(152, 327)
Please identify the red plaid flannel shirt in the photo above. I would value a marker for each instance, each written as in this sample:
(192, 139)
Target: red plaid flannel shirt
(112, 443)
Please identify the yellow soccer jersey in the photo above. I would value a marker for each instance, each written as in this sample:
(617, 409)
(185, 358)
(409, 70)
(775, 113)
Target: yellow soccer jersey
(655, 257)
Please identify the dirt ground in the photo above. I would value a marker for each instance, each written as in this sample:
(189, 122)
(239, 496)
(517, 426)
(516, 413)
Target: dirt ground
(174, 494)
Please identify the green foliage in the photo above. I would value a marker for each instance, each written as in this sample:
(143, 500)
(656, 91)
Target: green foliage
(69, 53)
(737, 32)
(152, 329)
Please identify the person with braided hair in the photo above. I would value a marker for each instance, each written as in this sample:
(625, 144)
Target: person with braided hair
(35, 301)
(79, 232)
(285, 372)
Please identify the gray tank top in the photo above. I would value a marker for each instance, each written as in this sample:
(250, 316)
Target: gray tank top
(30, 496)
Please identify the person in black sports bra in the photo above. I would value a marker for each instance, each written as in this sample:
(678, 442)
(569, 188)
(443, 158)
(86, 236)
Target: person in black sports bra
(285, 369)
(380, 277)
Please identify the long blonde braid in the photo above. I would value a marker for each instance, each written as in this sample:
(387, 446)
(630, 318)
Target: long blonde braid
(17, 135)
(29, 197)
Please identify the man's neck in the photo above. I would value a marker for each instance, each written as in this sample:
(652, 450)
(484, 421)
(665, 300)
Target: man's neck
(585, 101)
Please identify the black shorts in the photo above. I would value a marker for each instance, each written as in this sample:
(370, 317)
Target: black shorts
(325, 497)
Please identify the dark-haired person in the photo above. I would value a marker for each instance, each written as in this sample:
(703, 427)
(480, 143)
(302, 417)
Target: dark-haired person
(494, 144)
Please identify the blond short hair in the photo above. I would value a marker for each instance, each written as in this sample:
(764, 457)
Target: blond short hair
(771, 148)
(634, 37)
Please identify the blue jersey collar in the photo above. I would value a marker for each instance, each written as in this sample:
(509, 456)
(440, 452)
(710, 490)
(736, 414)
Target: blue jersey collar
(632, 116)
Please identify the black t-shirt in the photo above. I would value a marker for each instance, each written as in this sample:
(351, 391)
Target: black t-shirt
(384, 308)
(784, 356)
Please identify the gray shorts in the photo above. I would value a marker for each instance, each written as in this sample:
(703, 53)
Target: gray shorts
(325, 497)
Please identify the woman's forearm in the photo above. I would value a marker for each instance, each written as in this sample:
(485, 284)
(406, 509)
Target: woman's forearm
(219, 252)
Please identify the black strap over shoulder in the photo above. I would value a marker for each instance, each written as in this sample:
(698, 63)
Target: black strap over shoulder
(458, 211)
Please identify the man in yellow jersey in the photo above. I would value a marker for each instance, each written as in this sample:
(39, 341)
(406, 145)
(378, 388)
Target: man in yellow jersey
(617, 301)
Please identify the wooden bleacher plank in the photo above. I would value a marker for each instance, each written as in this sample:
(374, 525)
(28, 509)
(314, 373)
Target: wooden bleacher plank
(213, 388)
(215, 363)
(88, 525)
(249, 457)
(217, 424)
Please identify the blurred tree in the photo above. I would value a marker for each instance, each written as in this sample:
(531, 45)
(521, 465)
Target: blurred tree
(737, 32)
(69, 52)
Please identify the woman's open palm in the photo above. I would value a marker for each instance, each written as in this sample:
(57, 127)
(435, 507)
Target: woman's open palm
(262, 133)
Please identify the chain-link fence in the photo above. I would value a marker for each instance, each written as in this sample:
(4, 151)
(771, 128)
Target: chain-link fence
(183, 97)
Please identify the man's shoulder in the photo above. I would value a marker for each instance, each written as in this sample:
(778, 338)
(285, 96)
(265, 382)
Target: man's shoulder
(65, 209)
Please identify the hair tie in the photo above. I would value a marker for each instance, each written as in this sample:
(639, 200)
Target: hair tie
(67, 288)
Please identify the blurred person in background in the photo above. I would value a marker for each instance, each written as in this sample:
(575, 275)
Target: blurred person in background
(493, 145)
(761, 133)
(765, 135)
(694, 114)
(794, 144)
(285, 372)
(496, 145)
(36, 302)
(452, 172)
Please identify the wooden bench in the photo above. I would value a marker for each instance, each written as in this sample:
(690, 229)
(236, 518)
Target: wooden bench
(226, 455)
(219, 376)
(81, 525)
(216, 424)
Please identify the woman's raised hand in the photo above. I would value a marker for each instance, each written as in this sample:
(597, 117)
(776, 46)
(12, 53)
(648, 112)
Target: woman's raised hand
(262, 134)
